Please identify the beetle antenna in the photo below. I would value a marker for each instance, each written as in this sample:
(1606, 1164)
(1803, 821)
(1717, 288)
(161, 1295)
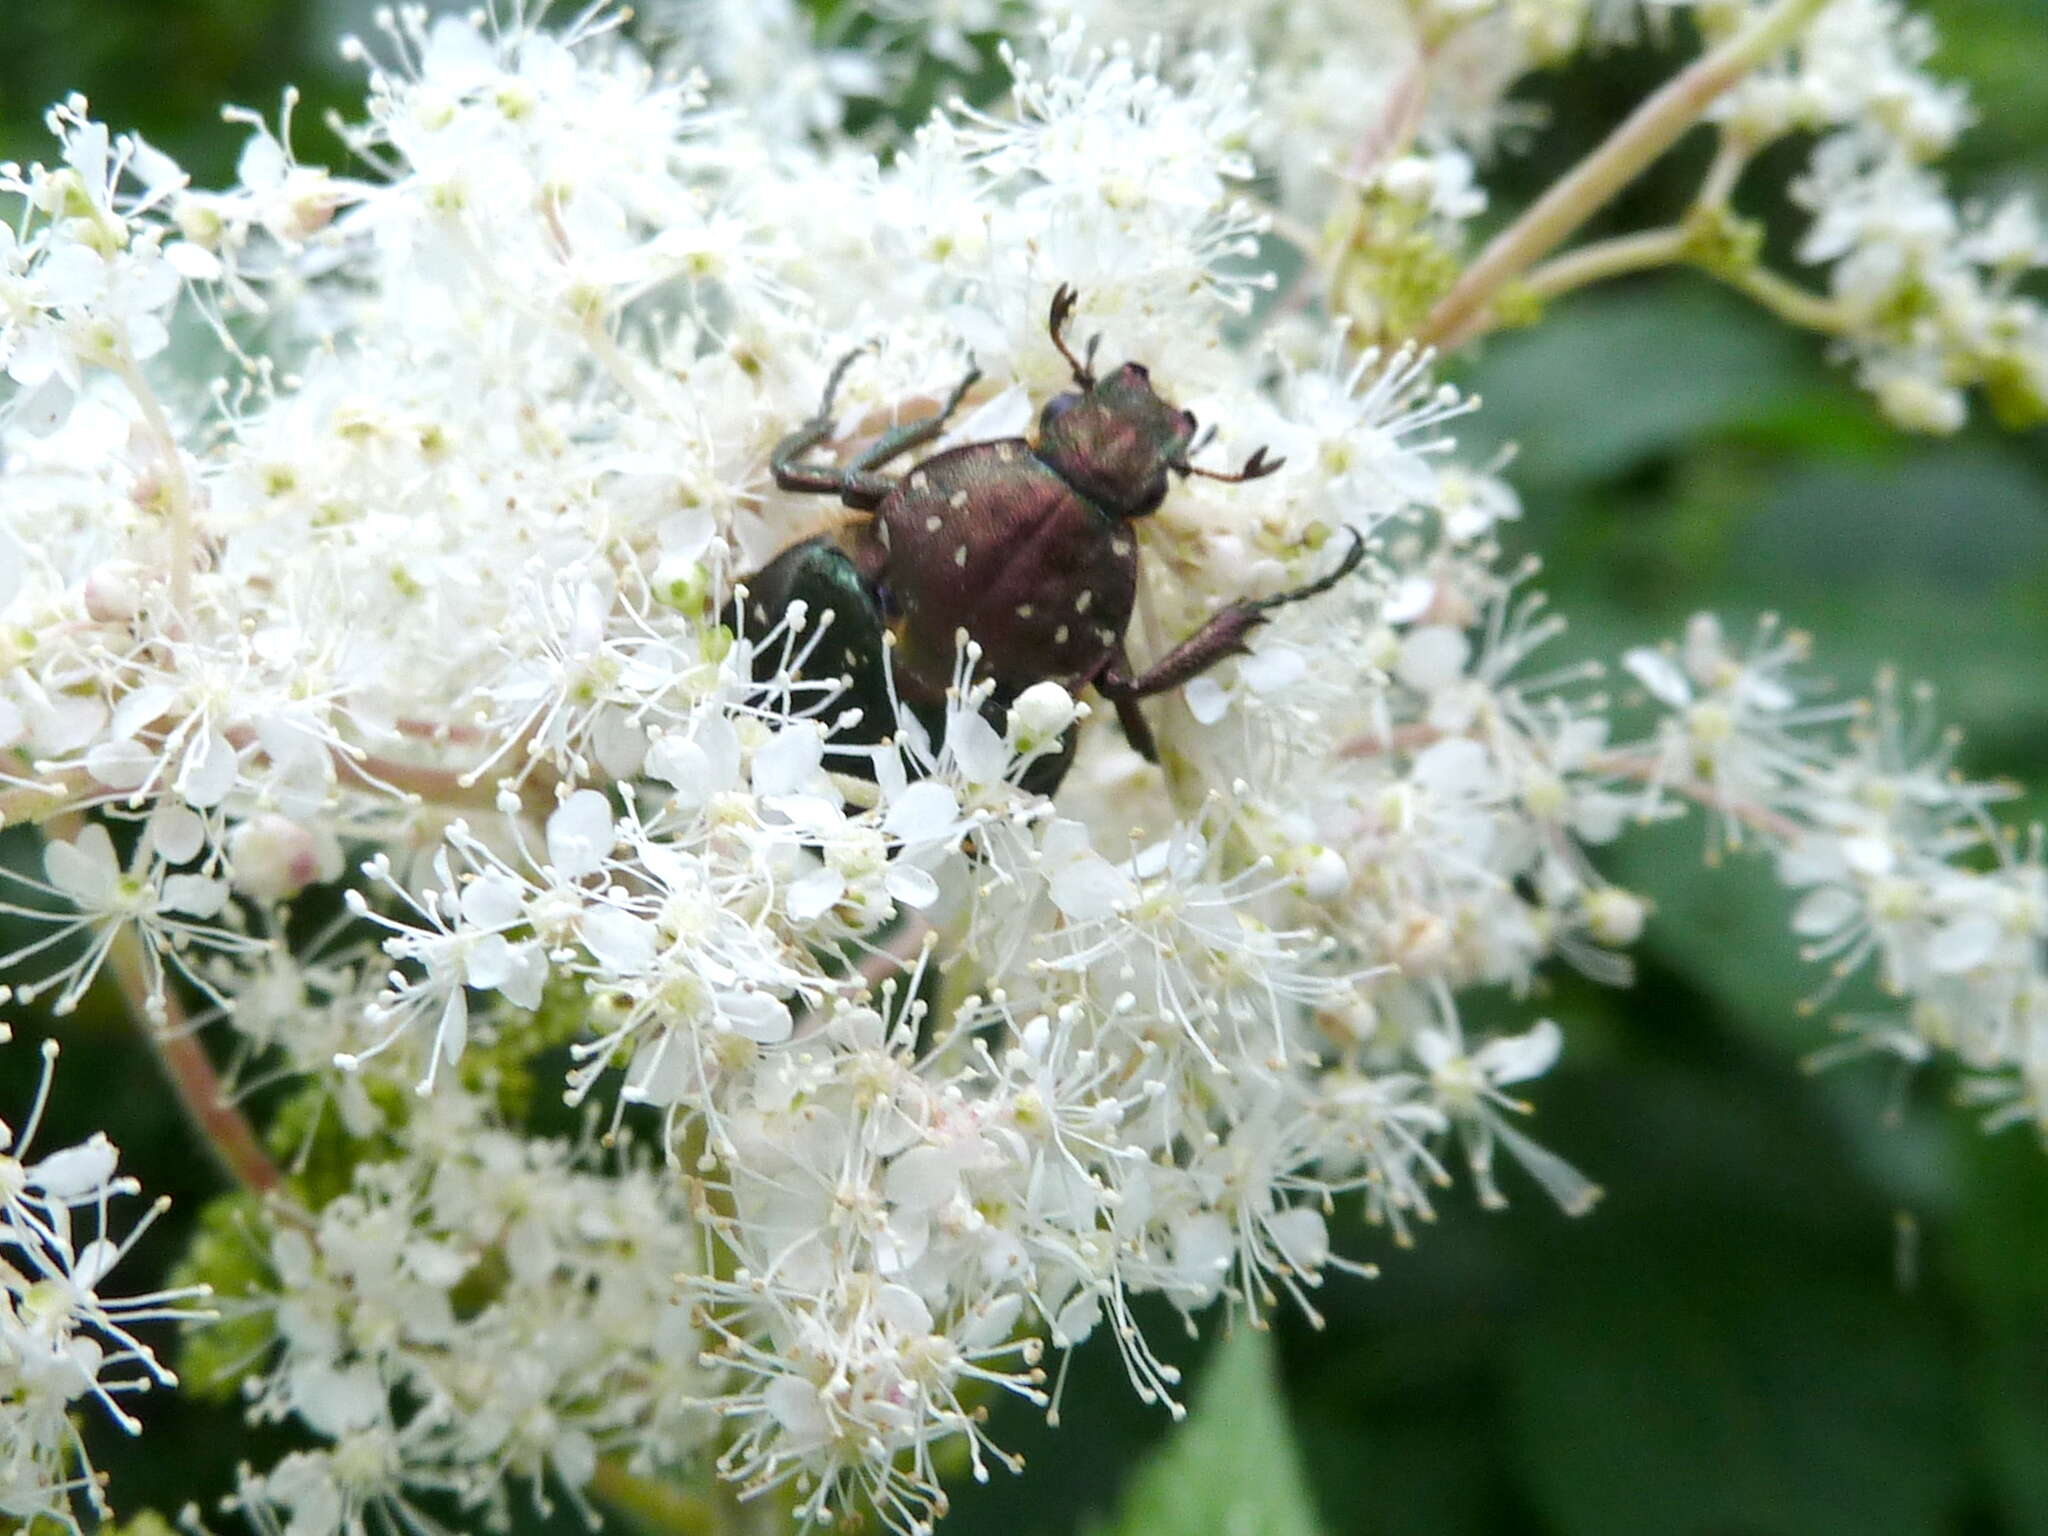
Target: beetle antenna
(1257, 467)
(1063, 300)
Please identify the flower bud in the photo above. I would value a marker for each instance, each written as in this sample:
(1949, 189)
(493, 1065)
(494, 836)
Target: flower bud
(1040, 716)
(1421, 945)
(113, 591)
(1324, 874)
(1614, 916)
(1920, 404)
(275, 858)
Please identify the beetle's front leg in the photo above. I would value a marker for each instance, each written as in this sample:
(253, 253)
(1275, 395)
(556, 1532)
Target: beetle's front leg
(1224, 634)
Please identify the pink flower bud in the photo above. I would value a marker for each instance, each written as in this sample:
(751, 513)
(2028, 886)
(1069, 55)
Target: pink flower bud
(275, 858)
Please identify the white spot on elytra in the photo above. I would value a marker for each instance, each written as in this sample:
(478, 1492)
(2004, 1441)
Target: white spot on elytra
(918, 479)
(957, 500)
(1023, 610)
(934, 523)
(1120, 546)
(960, 555)
(1059, 636)
(1081, 603)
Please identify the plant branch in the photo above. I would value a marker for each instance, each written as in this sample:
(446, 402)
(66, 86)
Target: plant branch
(1758, 818)
(220, 1123)
(1730, 161)
(1674, 246)
(1788, 301)
(1607, 258)
(1652, 128)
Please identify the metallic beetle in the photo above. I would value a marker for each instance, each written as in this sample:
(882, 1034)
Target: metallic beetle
(1025, 546)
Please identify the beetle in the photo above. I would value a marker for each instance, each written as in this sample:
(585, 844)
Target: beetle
(1025, 546)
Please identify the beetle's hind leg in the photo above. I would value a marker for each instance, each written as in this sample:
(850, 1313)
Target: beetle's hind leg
(854, 486)
(1224, 634)
(857, 484)
(900, 440)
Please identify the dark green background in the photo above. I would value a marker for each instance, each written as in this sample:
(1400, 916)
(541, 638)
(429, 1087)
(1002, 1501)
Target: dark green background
(1809, 1306)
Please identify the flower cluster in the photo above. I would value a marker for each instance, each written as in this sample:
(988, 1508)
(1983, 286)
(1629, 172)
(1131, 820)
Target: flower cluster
(65, 1339)
(403, 701)
(1925, 296)
(498, 1324)
(1899, 866)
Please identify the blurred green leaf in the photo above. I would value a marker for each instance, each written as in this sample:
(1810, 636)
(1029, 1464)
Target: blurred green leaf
(1233, 1468)
(2013, 1377)
(1956, 517)
(1754, 1396)
(1613, 377)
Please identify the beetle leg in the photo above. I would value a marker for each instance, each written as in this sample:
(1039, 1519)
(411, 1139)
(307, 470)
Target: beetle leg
(1137, 729)
(854, 486)
(1224, 634)
(819, 427)
(914, 434)
(862, 492)
(789, 474)
(857, 484)
(1116, 683)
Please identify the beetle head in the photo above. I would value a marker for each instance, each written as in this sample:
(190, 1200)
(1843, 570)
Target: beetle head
(1114, 440)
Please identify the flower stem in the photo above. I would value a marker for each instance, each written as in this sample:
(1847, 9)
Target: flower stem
(1790, 302)
(1575, 197)
(1604, 259)
(33, 803)
(1668, 247)
(1758, 818)
(177, 488)
(220, 1123)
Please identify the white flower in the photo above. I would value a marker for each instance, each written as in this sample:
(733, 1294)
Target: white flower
(63, 1337)
(1469, 1087)
(171, 914)
(446, 574)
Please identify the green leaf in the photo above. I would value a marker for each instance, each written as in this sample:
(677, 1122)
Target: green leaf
(2012, 1373)
(1615, 378)
(1233, 1469)
(1757, 1396)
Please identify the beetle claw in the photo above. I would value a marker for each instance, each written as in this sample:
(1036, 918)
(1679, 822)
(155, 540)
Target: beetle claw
(1258, 466)
(1064, 298)
(1321, 584)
